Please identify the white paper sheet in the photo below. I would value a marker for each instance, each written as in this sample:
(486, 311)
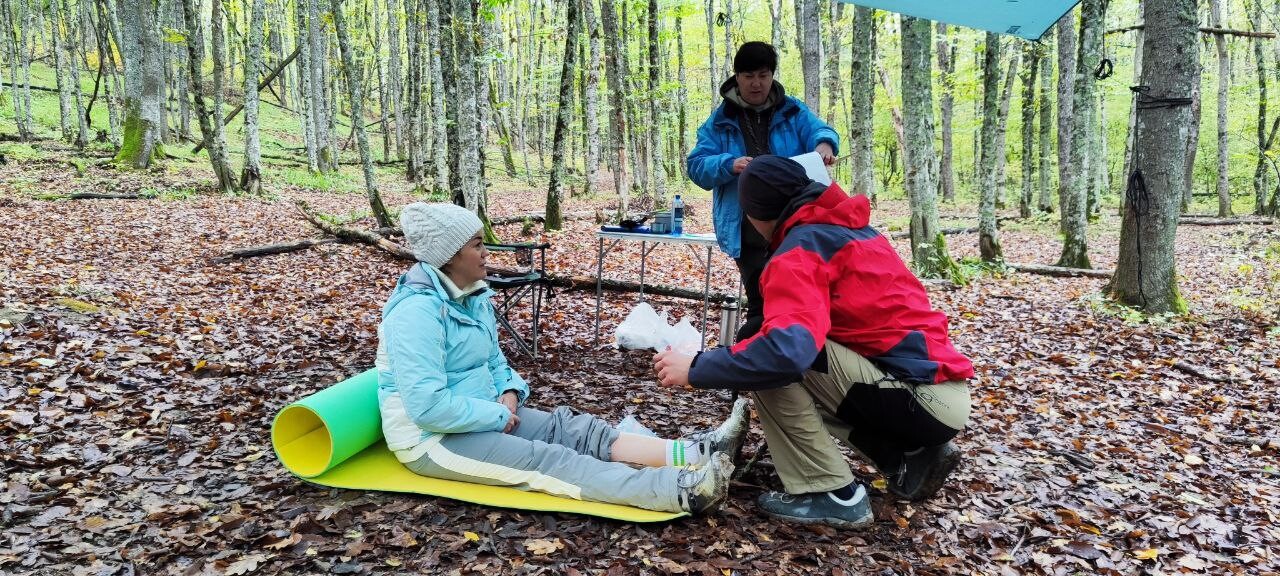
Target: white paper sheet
(813, 167)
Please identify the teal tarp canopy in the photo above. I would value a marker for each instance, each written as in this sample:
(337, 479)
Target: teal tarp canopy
(1025, 18)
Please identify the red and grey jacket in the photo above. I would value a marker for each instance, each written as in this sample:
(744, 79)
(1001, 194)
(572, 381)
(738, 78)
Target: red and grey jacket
(832, 276)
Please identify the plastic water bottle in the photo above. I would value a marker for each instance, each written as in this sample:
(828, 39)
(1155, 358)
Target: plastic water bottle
(677, 216)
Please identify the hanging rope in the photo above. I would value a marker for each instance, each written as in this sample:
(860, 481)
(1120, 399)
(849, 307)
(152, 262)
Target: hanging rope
(1139, 201)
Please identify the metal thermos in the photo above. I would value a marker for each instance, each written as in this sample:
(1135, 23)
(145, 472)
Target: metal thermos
(728, 321)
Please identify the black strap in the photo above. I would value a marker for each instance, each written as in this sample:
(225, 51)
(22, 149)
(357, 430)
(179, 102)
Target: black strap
(1146, 101)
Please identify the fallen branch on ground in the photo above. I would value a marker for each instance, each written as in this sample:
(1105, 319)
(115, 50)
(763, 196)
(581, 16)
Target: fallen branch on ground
(502, 220)
(1204, 221)
(95, 196)
(281, 248)
(352, 235)
(579, 283)
(945, 232)
(1059, 271)
(1200, 371)
(1260, 441)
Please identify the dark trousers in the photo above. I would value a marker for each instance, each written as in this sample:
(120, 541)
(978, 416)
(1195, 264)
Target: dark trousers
(755, 254)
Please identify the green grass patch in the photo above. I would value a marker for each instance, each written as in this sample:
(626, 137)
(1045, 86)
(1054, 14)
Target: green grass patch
(21, 151)
(177, 194)
(303, 177)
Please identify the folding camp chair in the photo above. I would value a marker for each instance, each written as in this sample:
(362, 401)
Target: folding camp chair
(527, 282)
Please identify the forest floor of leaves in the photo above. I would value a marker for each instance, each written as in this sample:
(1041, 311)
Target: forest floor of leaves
(139, 375)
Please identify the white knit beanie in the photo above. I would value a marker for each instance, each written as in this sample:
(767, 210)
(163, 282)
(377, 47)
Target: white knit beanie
(436, 232)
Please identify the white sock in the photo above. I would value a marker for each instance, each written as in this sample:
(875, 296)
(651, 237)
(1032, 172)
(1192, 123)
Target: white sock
(684, 453)
(858, 495)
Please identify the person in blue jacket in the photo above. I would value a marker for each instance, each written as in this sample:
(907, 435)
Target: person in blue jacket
(453, 408)
(756, 118)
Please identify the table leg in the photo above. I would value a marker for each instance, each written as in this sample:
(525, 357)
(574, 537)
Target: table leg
(706, 292)
(643, 256)
(599, 279)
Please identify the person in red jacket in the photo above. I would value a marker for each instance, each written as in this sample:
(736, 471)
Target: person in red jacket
(850, 349)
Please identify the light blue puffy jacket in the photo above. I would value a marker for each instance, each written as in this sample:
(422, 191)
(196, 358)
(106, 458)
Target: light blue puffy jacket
(793, 130)
(439, 366)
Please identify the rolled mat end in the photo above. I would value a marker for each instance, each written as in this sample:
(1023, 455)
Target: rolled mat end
(302, 441)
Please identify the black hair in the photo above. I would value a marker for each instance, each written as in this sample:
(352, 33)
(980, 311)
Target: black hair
(754, 56)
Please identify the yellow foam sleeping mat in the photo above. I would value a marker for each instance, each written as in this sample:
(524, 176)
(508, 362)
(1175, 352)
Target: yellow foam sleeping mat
(334, 438)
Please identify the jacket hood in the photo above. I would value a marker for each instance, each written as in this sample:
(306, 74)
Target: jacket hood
(428, 278)
(834, 206)
(733, 101)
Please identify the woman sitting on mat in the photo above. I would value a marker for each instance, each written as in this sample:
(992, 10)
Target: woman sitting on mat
(453, 409)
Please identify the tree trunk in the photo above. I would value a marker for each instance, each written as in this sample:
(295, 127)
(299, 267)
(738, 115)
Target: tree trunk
(468, 165)
(1046, 127)
(1146, 271)
(1075, 243)
(555, 190)
(617, 119)
(832, 61)
(1030, 158)
(181, 84)
(928, 245)
(634, 143)
(22, 85)
(72, 23)
(656, 105)
(61, 63)
(775, 21)
(275, 42)
(811, 56)
(682, 97)
(251, 176)
(144, 76)
(394, 77)
(482, 32)
(1224, 81)
(729, 20)
(10, 29)
(1066, 30)
(1193, 137)
(946, 109)
(988, 235)
(1260, 174)
(592, 99)
(302, 41)
(321, 106)
(111, 87)
(355, 88)
(210, 131)
(862, 91)
(1002, 128)
(438, 38)
(716, 76)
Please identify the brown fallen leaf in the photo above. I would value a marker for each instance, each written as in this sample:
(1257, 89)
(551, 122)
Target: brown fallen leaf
(541, 547)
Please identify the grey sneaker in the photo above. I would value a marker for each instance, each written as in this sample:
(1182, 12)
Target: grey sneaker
(727, 437)
(704, 489)
(819, 508)
(923, 472)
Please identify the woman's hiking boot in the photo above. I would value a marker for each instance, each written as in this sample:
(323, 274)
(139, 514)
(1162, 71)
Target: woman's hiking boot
(704, 489)
(727, 437)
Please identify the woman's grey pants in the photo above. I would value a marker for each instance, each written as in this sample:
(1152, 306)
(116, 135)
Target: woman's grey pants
(556, 452)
